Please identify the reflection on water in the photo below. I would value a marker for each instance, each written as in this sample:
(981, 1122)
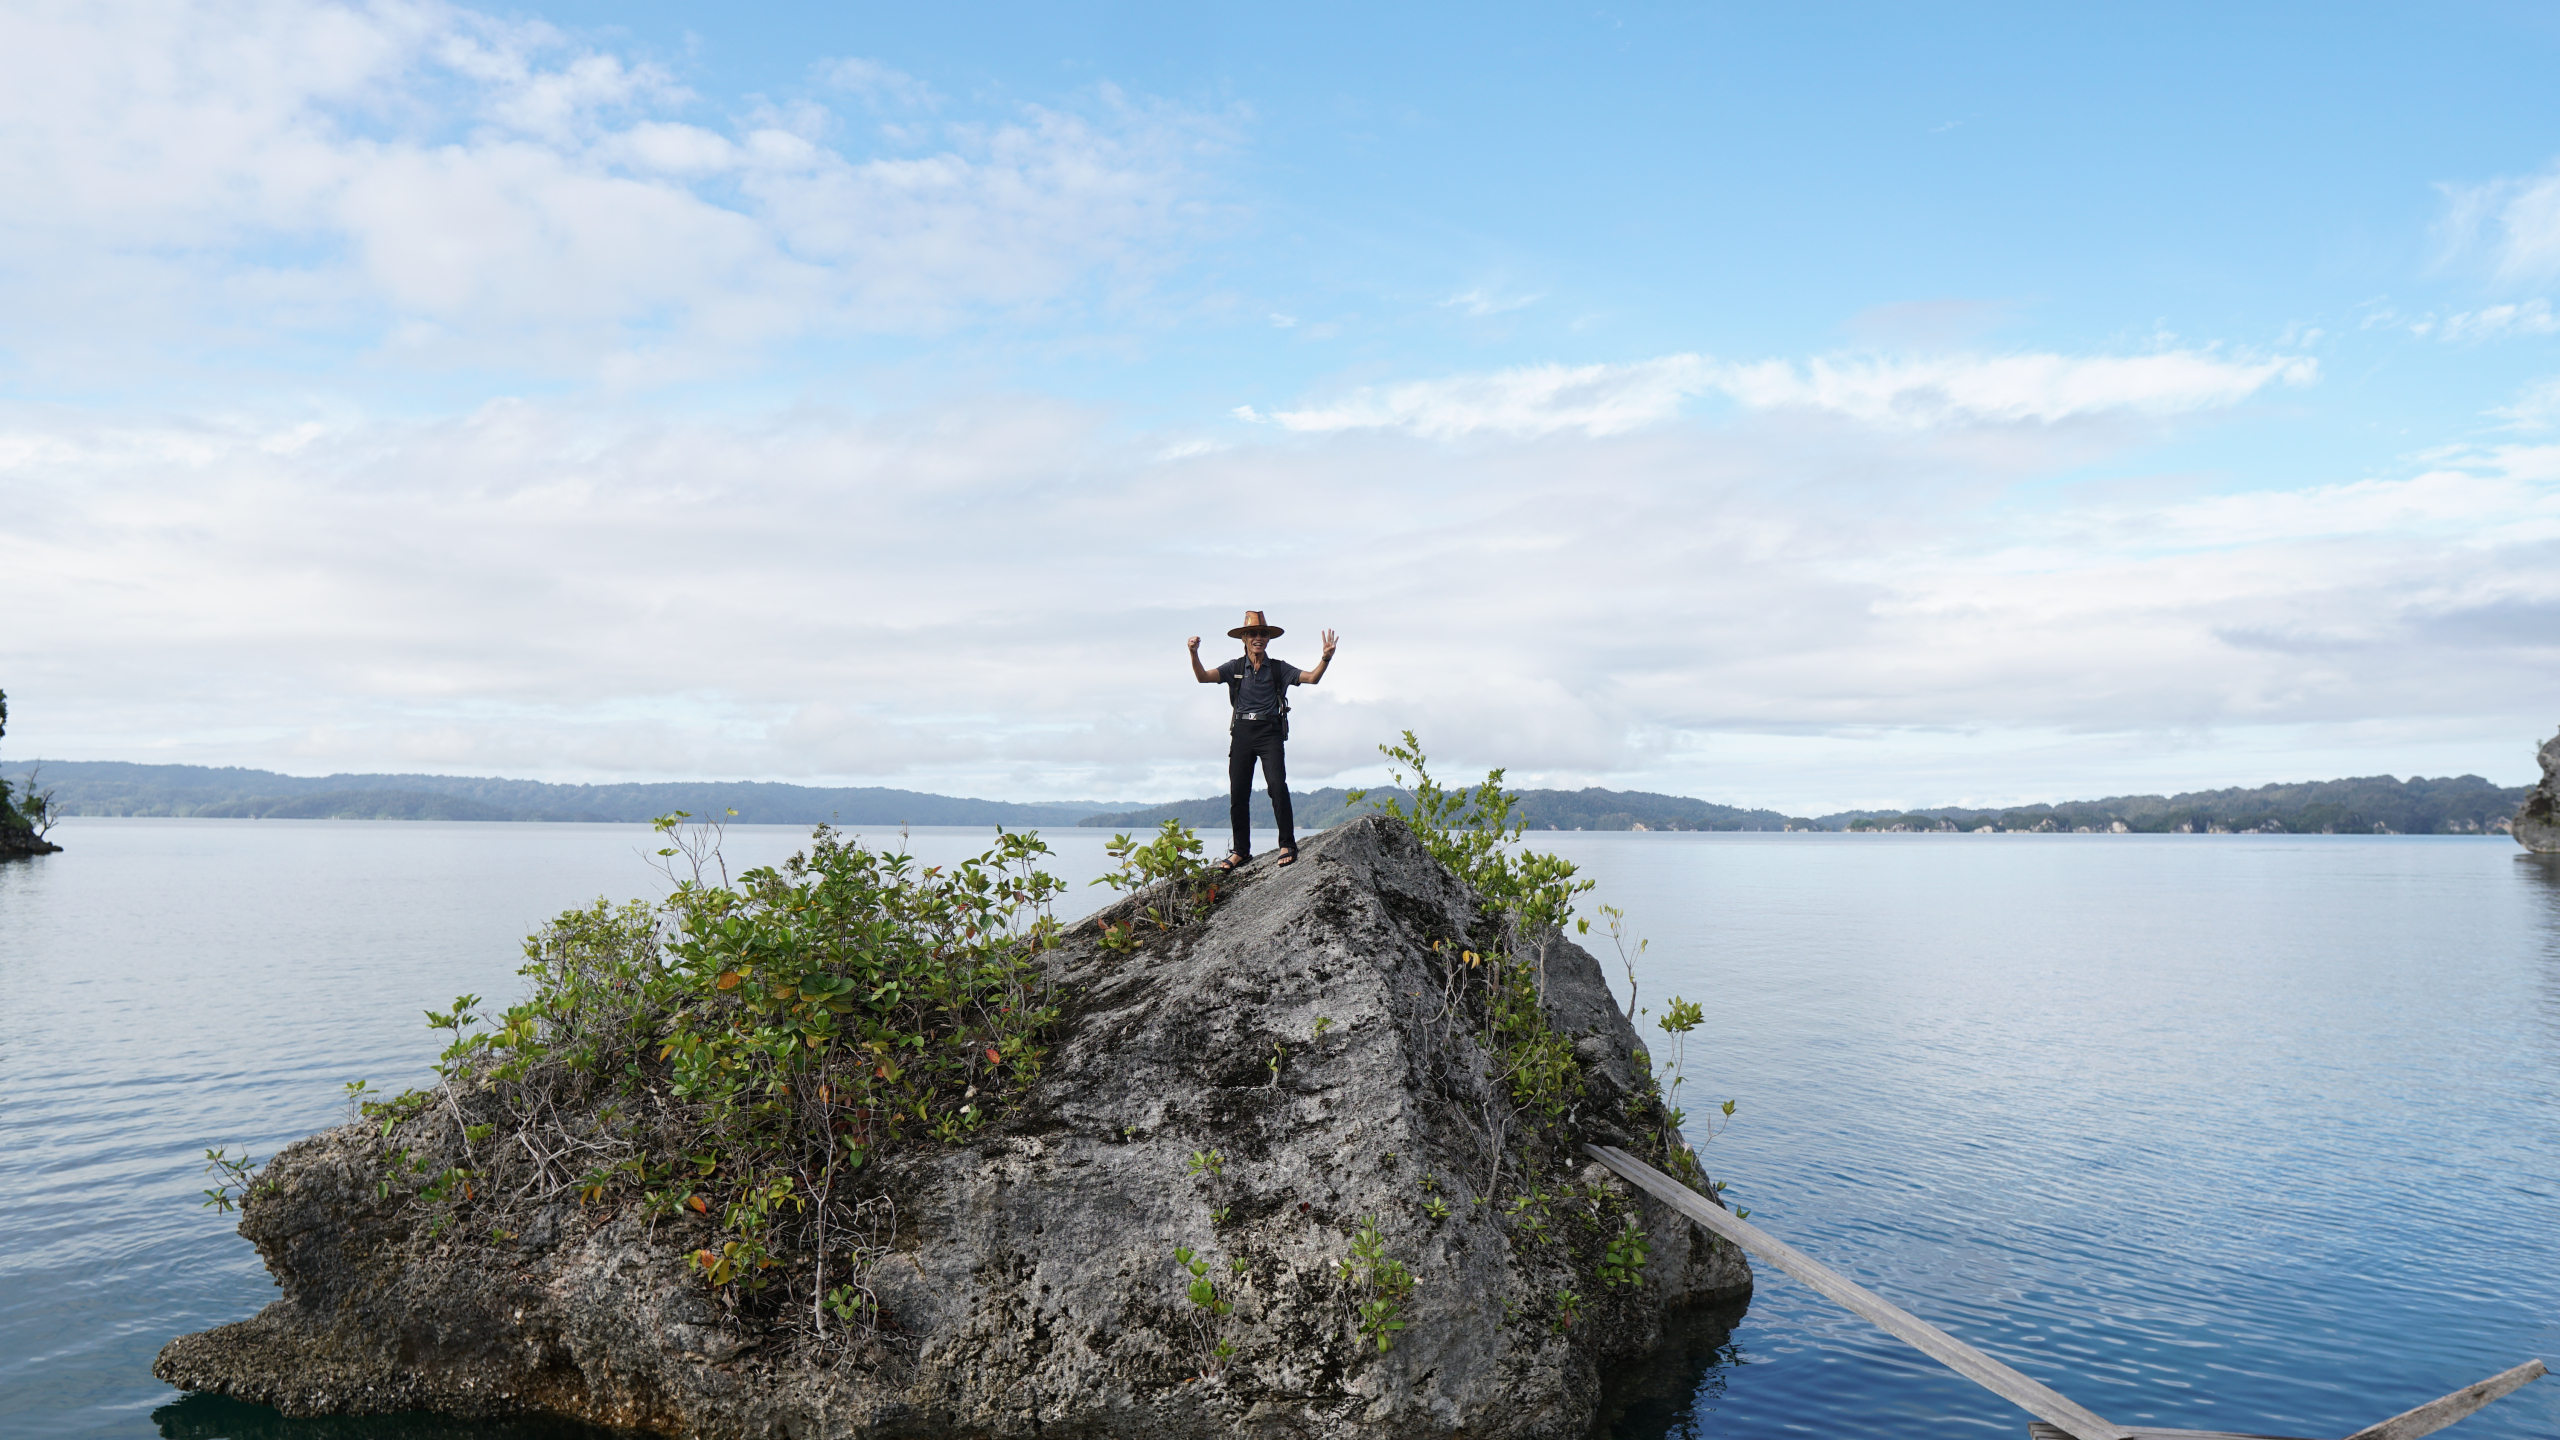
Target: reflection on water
(2542, 874)
(211, 1417)
(1669, 1396)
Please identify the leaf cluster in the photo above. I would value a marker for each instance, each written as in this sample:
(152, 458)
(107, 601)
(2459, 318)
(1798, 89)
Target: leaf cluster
(735, 1056)
(1476, 833)
(1378, 1283)
(1624, 1261)
(1171, 860)
(1498, 989)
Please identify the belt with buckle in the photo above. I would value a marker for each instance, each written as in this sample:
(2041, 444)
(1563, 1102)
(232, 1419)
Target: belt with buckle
(1260, 714)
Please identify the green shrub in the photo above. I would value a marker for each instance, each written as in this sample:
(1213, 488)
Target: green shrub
(734, 1057)
(1494, 986)
(1171, 860)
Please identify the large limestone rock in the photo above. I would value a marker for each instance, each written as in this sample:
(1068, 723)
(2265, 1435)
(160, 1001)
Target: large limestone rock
(2537, 822)
(1034, 1289)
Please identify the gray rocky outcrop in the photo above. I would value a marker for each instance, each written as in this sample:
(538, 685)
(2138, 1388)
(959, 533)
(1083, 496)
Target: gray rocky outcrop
(1032, 1286)
(2537, 821)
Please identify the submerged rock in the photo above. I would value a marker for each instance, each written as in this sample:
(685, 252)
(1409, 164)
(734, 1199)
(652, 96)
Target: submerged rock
(1032, 1286)
(2537, 822)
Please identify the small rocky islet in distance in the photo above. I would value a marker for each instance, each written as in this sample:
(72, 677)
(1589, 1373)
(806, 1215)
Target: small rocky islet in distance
(1292, 1152)
(27, 808)
(17, 836)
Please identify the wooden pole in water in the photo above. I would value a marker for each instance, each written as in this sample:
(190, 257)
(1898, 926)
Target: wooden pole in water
(2427, 1419)
(2027, 1394)
(2063, 1420)
(2433, 1416)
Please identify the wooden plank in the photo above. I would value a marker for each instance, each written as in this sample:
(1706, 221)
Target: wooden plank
(2433, 1416)
(2044, 1431)
(2427, 1419)
(2019, 1390)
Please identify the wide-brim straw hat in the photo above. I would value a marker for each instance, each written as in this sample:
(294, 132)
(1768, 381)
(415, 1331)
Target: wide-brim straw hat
(1254, 624)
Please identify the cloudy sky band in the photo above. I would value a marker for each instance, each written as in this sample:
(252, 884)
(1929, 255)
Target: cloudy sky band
(399, 386)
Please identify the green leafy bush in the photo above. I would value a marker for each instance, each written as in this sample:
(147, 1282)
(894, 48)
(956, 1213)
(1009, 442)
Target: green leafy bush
(1495, 986)
(1624, 1261)
(1378, 1285)
(733, 1057)
(1171, 860)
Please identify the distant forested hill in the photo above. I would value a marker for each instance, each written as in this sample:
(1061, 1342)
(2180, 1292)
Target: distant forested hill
(2453, 805)
(2458, 805)
(113, 787)
(1542, 810)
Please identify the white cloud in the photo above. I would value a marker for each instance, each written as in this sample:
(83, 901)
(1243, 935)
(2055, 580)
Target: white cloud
(1530, 400)
(554, 589)
(2011, 389)
(2537, 406)
(175, 174)
(2475, 502)
(884, 86)
(1600, 400)
(2529, 317)
(2514, 222)
(1480, 302)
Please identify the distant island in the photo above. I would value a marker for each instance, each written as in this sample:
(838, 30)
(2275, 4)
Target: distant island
(2377, 804)
(1592, 809)
(2372, 804)
(116, 787)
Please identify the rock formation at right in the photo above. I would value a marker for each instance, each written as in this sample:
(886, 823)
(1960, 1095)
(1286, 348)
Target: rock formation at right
(2537, 822)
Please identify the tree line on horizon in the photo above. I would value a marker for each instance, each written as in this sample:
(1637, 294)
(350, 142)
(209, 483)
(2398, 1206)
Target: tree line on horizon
(2466, 804)
(2360, 805)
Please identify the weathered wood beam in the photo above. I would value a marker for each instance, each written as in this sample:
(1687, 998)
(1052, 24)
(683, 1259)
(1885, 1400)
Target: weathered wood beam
(2019, 1390)
(2433, 1416)
(2039, 1430)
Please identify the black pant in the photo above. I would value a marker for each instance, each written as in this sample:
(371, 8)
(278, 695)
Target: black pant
(1249, 741)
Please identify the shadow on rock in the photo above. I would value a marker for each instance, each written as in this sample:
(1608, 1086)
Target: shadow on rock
(216, 1417)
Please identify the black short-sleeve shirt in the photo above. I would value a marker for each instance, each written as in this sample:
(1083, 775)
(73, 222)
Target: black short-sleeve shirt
(1257, 692)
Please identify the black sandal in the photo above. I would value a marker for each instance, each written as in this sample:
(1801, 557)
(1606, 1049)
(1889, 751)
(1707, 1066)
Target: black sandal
(1233, 861)
(1288, 855)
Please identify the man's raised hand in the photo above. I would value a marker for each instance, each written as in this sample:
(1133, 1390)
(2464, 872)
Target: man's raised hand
(1328, 644)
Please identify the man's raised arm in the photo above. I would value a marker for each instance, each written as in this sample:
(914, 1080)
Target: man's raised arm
(1310, 677)
(1205, 677)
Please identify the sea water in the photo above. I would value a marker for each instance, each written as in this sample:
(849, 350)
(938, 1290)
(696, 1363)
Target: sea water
(2230, 1132)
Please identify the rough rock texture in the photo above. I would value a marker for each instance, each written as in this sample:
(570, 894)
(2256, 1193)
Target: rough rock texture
(2537, 822)
(1034, 1277)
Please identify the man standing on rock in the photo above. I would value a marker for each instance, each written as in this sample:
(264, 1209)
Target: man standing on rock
(1258, 691)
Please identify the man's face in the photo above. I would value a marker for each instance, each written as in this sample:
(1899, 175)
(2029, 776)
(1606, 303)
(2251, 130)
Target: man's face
(1254, 645)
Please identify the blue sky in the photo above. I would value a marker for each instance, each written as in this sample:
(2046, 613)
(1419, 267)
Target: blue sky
(1870, 405)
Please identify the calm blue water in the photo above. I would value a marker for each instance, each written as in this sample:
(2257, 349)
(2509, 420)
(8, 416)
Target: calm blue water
(2235, 1132)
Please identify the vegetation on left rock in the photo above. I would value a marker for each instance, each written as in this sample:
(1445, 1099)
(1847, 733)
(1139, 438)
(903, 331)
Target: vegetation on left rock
(27, 810)
(737, 1060)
